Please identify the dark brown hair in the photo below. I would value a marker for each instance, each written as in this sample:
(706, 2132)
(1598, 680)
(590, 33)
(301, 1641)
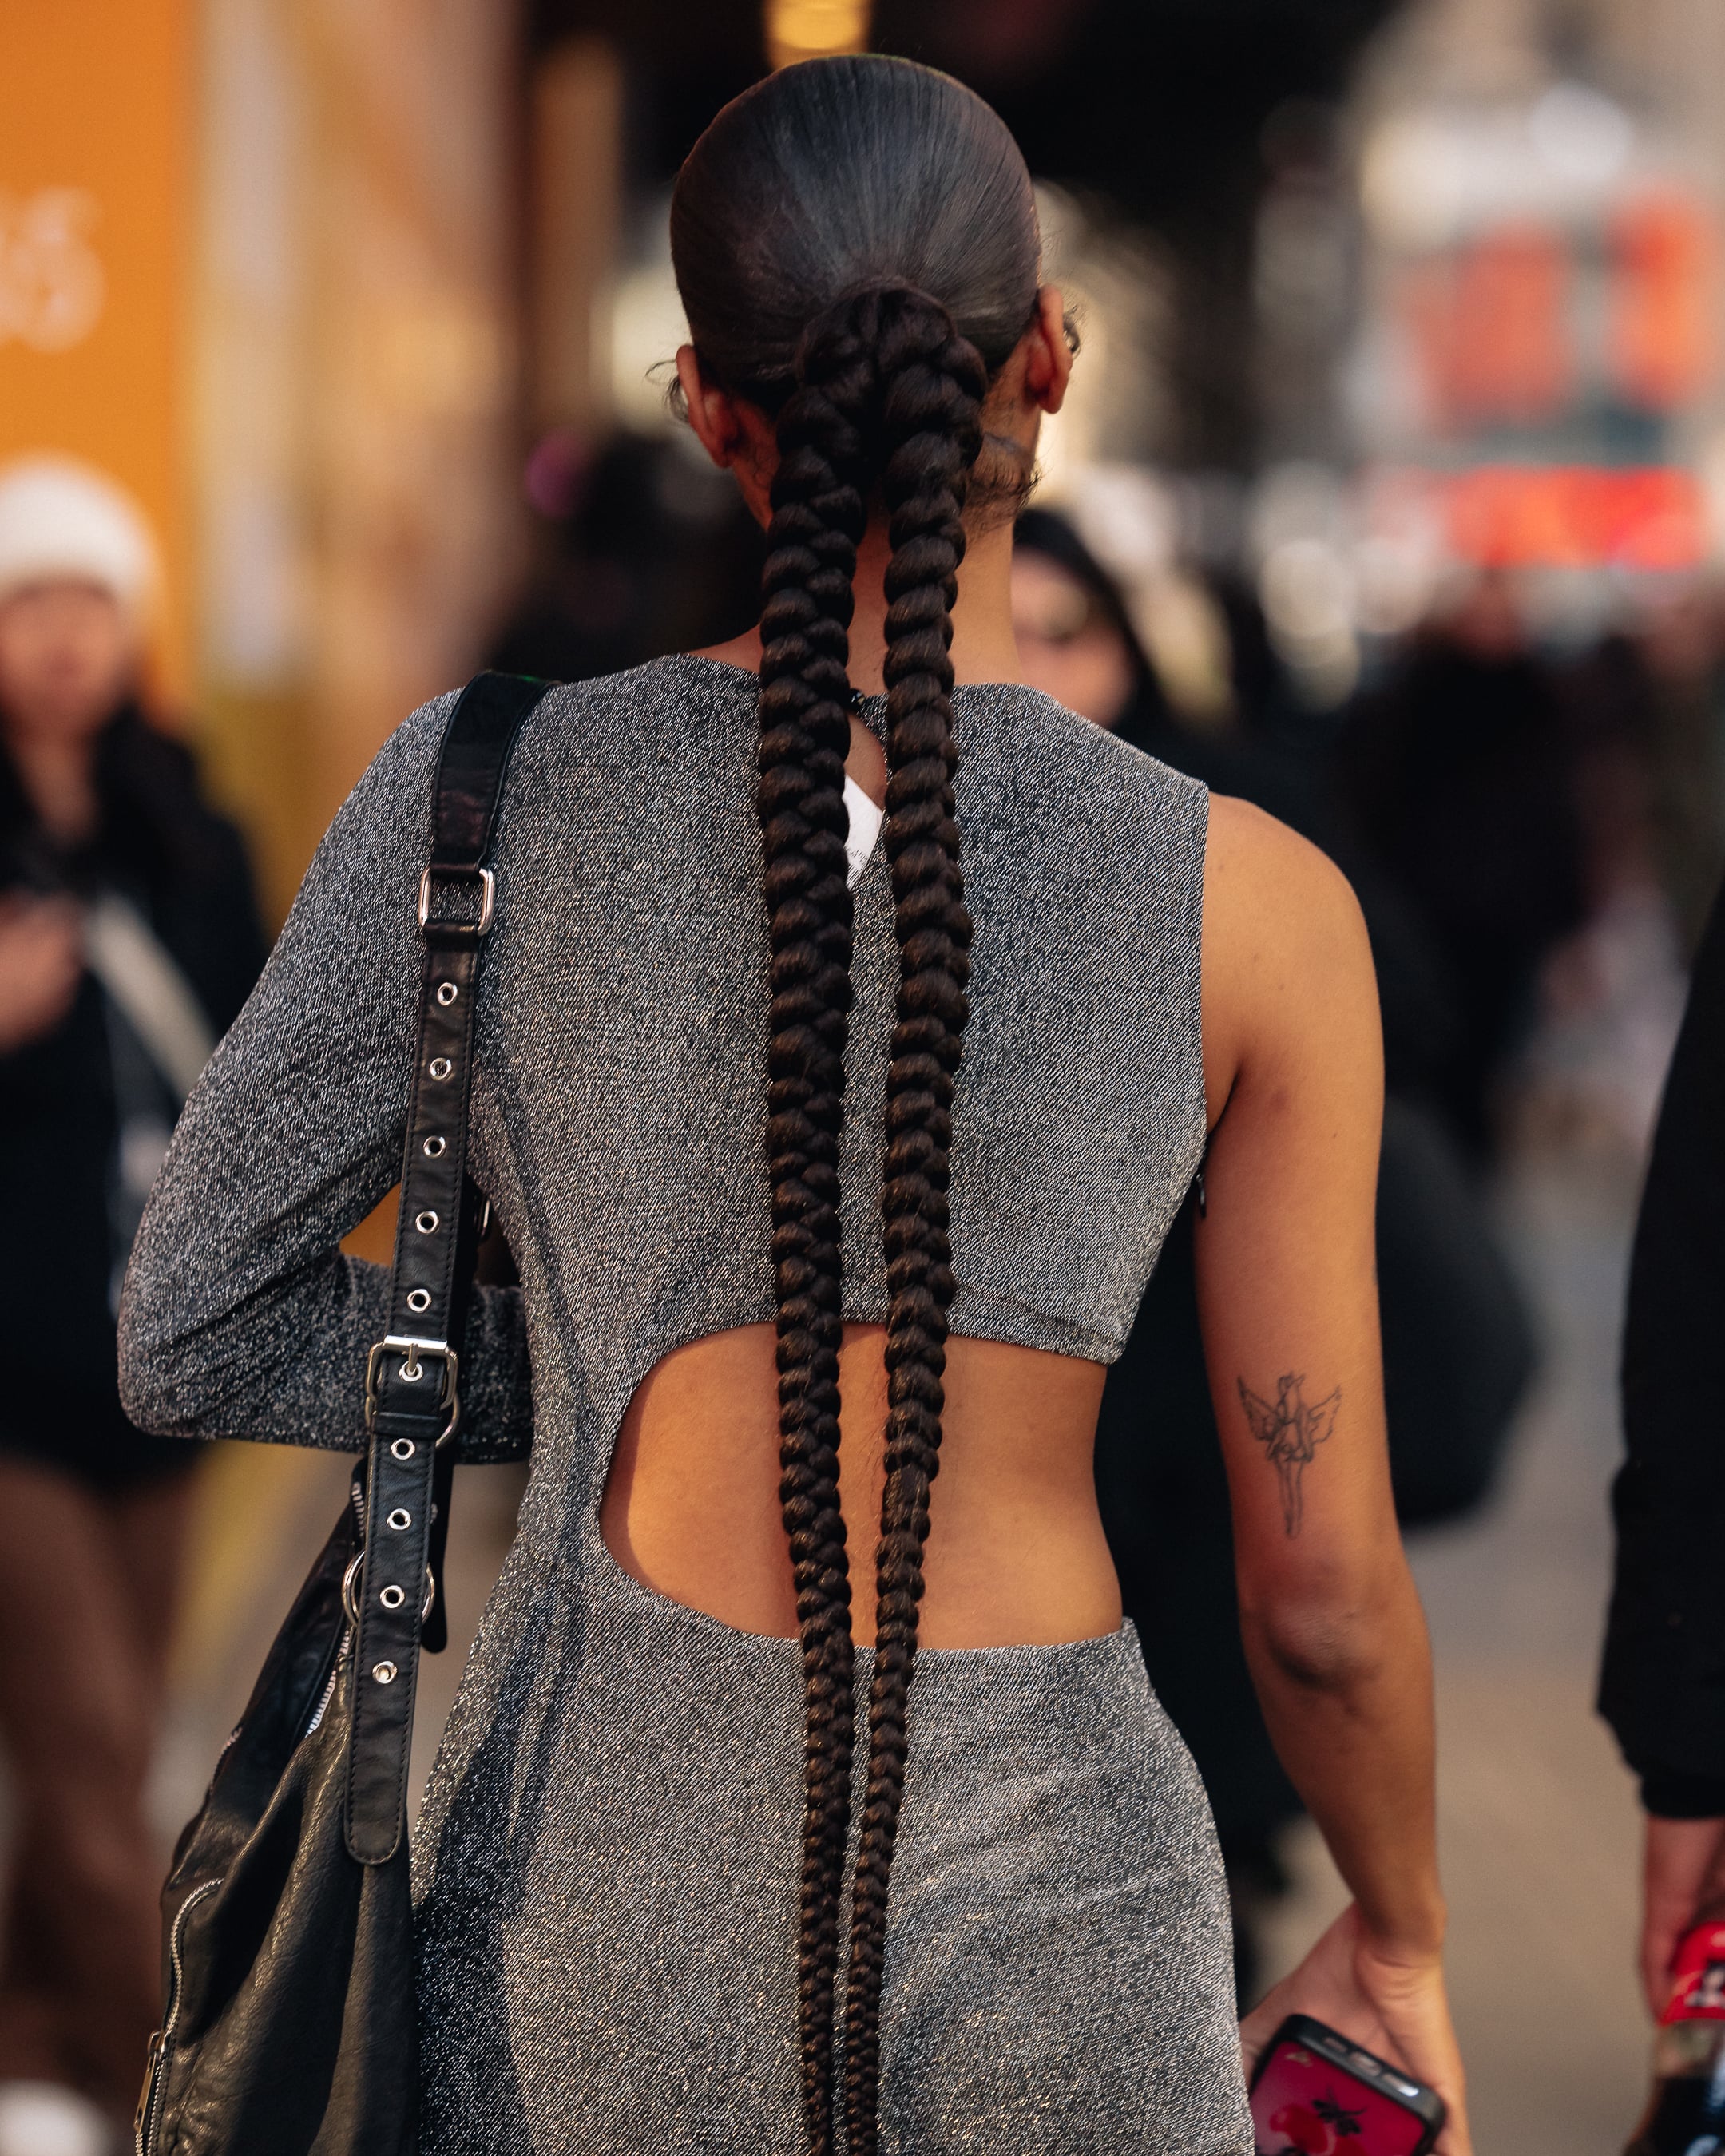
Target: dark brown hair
(856, 248)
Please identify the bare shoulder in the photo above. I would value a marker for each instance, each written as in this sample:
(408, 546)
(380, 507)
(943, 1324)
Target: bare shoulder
(1272, 897)
(1286, 954)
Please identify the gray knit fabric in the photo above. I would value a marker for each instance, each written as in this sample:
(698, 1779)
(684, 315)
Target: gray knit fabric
(608, 1859)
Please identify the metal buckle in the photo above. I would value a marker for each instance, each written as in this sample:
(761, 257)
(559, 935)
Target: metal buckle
(488, 900)
(412, 1370)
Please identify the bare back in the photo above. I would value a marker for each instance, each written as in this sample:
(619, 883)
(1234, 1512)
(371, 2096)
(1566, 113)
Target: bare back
(1015, 1546)
(1016, 1551)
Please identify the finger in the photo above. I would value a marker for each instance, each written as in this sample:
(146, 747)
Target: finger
(1659, 1950)
(1454, 2140)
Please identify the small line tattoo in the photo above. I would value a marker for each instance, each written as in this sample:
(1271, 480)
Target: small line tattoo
(1289, 1433)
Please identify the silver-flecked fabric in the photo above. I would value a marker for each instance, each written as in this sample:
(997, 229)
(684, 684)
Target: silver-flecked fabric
(607, 1860)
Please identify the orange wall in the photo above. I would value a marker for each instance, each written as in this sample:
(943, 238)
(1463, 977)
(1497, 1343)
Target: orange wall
(95, 97)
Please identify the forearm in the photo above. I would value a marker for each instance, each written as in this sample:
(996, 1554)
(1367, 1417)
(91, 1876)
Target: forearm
(287, 1367)
(241, 1315)
(1345, 1685)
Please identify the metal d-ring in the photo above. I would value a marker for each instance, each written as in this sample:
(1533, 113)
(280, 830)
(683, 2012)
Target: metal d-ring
(350, 1591)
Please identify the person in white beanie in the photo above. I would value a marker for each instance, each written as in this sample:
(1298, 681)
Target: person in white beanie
(128, 939)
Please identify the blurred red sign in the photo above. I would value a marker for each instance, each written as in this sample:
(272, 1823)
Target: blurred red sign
(1574, 515)
(1500, 333)
(1488, 327)
(1659, 346)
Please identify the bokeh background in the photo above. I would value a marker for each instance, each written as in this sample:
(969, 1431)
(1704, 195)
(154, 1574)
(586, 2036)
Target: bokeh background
(1402, 325)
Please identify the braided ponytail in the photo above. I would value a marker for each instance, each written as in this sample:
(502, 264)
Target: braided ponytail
(932, 385)
(817, 518)
(884, 387)
(856, 245)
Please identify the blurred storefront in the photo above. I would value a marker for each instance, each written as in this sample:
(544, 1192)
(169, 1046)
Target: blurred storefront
(353, 394)
(96, 162)
(1536, 383)
(260, 261)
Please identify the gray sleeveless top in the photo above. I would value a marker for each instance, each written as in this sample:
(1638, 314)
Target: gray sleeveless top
(606, 1862)
(619, 1100)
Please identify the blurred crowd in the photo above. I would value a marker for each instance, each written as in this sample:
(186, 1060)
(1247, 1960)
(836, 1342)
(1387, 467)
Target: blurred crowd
(129, 938)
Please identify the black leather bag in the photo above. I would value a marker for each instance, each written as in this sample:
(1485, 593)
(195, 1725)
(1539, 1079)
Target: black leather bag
(289, 2027)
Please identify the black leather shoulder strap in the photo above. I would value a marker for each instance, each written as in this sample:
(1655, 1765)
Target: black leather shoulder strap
(413, 1381)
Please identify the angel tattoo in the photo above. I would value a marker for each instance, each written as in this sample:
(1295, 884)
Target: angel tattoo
(1290, 1432)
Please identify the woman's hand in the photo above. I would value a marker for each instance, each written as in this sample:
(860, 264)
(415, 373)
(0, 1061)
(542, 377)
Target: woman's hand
(41, 960)
(1682, 1879)
(1388, 2002)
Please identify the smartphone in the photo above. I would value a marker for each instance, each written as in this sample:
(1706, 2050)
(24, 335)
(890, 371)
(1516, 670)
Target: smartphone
(1315, 2094)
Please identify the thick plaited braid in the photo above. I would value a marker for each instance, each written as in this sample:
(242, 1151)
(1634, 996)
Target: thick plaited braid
(819, 511)
(856, 249)
(932, 382)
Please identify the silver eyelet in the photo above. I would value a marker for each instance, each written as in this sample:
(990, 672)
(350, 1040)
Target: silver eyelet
(426, 1222)
(419, 1299)
(435, 1148)
(402, 1449)
(392, 1597)
(447, 993)
(439, 1066)
(400, 1520)
(384, 1672)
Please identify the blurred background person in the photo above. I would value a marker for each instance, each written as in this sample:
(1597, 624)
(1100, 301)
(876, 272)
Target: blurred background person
(1683, 648)
(128, 940)
(1447, 1297)
(1460, 778)
(641, 551)
(1660, 1688)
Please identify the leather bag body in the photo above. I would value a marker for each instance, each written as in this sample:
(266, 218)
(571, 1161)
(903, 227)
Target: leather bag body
(289, 2021)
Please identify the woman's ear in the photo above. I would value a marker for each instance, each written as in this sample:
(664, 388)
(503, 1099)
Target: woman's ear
(1048, 359)
(711, 413)
(737, 436)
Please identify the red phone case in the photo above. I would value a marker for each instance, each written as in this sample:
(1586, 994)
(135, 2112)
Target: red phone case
(1306, 2104)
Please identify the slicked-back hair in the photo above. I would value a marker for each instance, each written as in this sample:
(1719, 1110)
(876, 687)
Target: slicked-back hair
(855, 244)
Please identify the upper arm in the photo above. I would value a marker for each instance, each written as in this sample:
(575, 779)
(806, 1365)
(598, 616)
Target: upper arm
(240, 1318)
(1285, 1251)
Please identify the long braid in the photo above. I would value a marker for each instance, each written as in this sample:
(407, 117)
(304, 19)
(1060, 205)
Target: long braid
(932, 382)
(817, 517)
(856, 249)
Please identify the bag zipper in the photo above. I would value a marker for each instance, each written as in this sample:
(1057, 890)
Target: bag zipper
(345, 1645)
(342, 1651)
(144, 2125)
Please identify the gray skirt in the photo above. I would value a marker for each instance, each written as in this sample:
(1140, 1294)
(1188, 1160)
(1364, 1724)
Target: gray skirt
(608, 1867)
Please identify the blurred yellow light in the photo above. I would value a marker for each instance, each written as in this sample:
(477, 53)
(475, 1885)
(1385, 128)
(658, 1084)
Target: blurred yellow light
(807, 29)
